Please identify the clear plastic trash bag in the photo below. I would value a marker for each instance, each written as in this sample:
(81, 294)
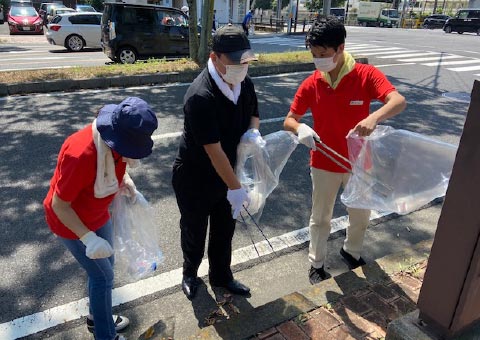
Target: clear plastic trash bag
(397, 170)
(137, 253)
(259, 165)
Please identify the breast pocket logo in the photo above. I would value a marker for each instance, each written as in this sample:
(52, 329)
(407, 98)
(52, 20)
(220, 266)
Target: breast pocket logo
(356, 102)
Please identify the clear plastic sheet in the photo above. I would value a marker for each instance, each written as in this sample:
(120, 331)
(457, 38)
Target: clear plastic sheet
(397, 170)
(137, 253)
(259, 165)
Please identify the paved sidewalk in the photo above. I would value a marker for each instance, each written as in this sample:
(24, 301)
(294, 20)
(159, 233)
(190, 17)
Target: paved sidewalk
(357, 304)
(364, 314)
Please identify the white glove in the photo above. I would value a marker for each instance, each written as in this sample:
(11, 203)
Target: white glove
(128, 188)
(97, 247)
(236, 198)
(306, 136)
(253, 136)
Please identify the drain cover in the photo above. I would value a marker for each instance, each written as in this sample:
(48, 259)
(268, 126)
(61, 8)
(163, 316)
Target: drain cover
(459, 96)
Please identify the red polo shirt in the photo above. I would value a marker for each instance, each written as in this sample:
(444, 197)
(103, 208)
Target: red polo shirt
(336, 111)
(73, 181)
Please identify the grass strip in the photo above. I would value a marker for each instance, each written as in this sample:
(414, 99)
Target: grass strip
(150, 66)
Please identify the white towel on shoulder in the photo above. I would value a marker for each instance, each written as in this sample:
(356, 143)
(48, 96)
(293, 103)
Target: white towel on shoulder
(106, 182)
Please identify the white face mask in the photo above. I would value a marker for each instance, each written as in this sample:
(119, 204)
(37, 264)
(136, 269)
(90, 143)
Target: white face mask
(235, 74)
(325, 64)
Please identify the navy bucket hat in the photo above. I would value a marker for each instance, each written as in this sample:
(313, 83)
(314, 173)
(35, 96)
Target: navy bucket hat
(127, 127)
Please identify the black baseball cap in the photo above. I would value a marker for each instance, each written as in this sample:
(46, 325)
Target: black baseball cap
(232, 41)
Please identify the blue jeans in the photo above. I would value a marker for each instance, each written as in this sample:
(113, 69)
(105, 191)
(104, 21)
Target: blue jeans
(100, 283)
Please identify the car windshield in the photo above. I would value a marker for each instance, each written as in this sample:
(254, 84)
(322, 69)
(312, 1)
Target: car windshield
(86, 9)
(392, 13)
(23, 12)
(63, 10)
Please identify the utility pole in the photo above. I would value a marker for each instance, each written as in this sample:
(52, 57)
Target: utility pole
(326, 7)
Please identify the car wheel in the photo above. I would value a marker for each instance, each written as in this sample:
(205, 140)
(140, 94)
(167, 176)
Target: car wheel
(448, 29)
(127, 55)
(426, 26)
(460, 32)
(364, 24)
(478, 31)
(74, 43)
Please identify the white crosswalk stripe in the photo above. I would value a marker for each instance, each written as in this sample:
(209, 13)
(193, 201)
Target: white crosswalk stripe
(386, 52)
(400, 54)
(456, 62)
(464, 69)
(403, 55)
(438, 58)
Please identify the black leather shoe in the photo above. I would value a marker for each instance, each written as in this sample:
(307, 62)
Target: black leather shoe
(189, 286)
(317, 275)
(351, 262)
(238, 288)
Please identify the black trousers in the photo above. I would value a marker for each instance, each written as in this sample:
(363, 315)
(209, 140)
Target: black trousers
(198, 212)
(245, 29)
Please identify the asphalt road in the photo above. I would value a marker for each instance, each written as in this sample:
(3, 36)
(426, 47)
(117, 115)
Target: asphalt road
(37, 273)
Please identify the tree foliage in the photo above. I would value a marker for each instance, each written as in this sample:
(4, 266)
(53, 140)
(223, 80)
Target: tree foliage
(263, 4)
(97, 4)
(317, 5)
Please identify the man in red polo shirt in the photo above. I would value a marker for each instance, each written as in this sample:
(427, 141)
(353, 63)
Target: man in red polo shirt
(338, 93)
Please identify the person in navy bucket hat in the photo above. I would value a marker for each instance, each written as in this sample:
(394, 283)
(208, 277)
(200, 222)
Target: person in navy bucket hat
(91, 169)
(127, 127)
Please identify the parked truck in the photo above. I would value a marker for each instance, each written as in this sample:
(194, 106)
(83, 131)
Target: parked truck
(377, 14)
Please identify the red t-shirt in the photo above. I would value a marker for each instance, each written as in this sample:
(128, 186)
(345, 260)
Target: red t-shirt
(73, 181)
(336, 111)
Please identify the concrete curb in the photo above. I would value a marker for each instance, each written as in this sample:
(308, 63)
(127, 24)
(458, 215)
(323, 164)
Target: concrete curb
(135, 80)
(273, 313)
(138, 80)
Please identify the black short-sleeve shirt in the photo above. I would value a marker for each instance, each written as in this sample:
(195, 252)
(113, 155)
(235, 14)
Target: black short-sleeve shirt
(210, 117)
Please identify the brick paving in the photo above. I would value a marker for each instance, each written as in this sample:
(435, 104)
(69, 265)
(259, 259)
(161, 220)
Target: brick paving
(361, 315)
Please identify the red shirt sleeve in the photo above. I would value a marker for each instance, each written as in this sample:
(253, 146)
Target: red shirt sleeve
(304, 96)
(378, 84)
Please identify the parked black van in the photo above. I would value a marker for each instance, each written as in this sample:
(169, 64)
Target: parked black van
(466, 20)
(131, 32)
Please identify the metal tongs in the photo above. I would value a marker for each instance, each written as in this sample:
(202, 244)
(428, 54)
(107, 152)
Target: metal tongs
(381, 188)
(258, 228)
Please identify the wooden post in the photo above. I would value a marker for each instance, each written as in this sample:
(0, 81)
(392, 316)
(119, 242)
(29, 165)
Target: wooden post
(449, 300)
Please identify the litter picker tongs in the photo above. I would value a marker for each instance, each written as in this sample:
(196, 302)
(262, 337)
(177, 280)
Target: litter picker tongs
(259, 229)
(381, 188)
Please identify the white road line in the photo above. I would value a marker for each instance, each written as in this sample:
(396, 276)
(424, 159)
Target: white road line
(439, 58)
(45, 58)
(388, 65)
(395, 56)
(375, 49)
(456, 62)
(464, 69)
(388, 52)
(34, 68)
(54, 316)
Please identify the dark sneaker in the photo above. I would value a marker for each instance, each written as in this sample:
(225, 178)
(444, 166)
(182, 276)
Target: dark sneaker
(351, 262)
(317, 275)
(121, 322)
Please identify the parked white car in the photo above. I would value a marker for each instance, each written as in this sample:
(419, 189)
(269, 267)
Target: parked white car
(75, 30)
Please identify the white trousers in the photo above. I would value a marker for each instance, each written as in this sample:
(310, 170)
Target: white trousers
(325, 189)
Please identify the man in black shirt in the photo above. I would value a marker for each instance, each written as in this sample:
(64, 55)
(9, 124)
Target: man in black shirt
(220, 107)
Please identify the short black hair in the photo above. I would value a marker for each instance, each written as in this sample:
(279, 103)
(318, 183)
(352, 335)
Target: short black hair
(326, 32)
